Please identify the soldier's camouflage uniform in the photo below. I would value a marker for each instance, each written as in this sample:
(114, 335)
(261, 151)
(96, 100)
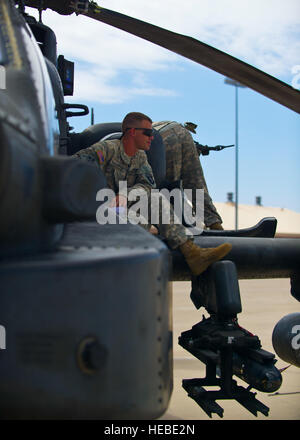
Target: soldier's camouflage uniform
(182, 163)
(117, 166)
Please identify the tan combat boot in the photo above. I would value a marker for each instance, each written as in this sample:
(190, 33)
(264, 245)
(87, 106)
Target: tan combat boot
(199, 258)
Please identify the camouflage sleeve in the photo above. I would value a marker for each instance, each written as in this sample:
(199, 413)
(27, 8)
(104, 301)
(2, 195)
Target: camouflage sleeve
(193, 177)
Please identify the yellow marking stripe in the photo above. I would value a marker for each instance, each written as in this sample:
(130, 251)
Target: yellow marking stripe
(13, 48)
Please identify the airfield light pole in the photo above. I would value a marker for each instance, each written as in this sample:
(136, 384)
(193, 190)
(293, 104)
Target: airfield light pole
(237, 85)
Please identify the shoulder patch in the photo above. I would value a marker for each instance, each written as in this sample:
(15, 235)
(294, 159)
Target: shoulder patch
(100, 156)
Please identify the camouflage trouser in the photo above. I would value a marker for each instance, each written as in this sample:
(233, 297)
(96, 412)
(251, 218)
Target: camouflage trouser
(154, 210)
(182, 163)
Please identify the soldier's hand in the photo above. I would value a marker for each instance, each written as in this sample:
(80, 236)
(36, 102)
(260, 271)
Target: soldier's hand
(217, 227)
(153, 230)
(119, 200)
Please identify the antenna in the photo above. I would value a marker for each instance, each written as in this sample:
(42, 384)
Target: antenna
(41, 6)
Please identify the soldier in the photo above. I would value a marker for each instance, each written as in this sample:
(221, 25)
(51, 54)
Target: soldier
(125, 160)
(182, 163)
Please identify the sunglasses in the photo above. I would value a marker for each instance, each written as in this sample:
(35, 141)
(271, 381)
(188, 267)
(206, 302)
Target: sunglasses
(146, 131)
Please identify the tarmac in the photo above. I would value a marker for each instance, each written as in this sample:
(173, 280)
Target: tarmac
(264, 303)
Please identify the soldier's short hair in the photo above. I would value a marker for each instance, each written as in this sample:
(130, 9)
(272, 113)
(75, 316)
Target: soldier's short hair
(131, 119)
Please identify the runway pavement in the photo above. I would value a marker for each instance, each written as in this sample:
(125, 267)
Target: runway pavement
(264, 303)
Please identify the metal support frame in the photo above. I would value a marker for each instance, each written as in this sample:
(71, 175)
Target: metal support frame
(226, 348)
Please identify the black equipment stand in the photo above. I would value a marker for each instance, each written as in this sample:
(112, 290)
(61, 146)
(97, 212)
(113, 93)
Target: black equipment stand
(224, 347)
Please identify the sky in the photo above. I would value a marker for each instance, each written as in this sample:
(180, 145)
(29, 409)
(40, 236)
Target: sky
(116, 73)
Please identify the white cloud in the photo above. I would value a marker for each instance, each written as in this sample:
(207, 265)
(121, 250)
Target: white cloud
(83, 39)
(262, 33)
(104, 87)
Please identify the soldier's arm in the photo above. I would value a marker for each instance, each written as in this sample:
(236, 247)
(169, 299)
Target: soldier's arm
(144, 178)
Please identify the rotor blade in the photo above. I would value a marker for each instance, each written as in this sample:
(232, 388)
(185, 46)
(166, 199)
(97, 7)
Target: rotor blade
(183, 45)
(60, 6)
(201, 53)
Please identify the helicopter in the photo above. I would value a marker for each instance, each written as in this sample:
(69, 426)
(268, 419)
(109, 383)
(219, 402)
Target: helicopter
(84, 338)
